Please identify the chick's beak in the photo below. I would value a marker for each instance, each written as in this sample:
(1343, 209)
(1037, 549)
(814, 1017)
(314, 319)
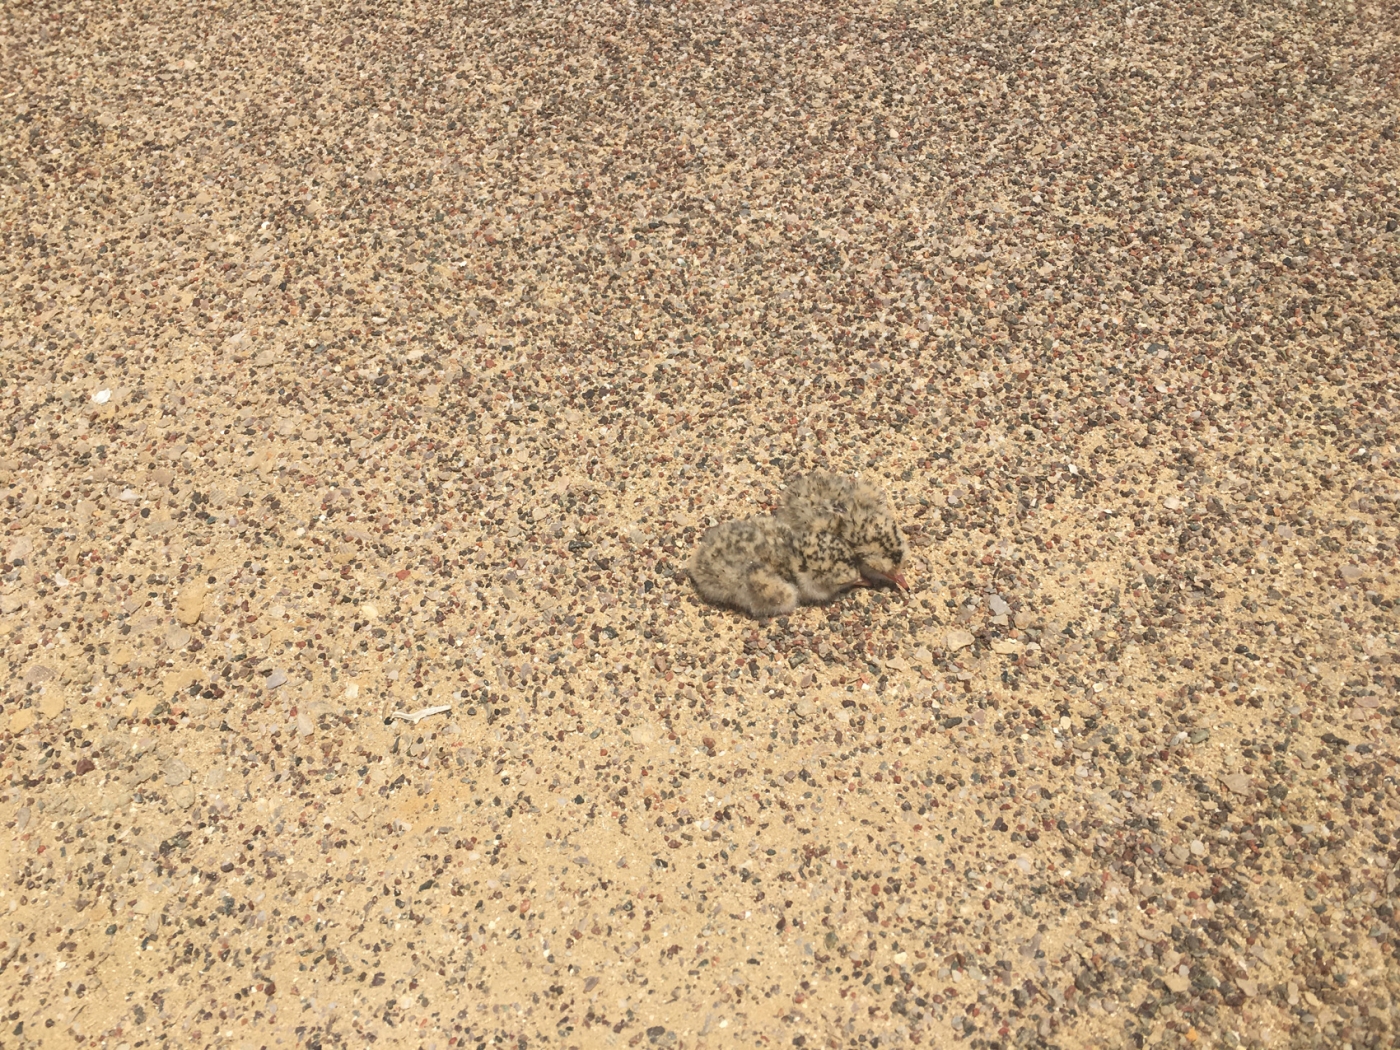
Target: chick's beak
(876, 576)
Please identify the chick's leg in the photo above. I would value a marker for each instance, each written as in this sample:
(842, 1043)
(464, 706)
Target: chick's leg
(769, 594)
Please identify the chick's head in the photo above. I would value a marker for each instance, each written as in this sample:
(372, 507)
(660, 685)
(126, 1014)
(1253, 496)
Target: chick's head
(875, 539)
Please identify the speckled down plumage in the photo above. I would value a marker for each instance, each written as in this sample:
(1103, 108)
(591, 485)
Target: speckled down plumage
(831, 534)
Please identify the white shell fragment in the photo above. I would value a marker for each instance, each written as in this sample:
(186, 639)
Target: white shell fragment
(417, 716)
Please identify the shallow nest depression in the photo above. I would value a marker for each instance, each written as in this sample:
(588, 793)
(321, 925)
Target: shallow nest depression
(367, 359)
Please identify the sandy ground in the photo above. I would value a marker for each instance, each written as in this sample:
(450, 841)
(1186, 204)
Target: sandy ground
(370, 358)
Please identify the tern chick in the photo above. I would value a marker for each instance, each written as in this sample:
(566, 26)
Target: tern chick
(831, 534)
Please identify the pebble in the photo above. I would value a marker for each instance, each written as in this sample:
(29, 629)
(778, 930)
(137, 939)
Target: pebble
(958, 639)
(190, 604)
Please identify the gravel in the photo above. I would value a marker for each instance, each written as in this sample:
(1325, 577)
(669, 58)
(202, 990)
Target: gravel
(363, 361)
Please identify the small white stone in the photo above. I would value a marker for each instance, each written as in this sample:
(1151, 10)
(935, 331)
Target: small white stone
(1236, 782)
(101, 397)
(957, 639)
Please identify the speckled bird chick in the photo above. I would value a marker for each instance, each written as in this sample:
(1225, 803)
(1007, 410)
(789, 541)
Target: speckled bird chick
(848, 513)
(832, 534)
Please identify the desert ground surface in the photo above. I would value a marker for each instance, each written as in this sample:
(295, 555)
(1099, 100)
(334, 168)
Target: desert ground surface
(365, 359)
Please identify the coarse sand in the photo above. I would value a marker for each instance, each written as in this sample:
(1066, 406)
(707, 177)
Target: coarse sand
(374, 358)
